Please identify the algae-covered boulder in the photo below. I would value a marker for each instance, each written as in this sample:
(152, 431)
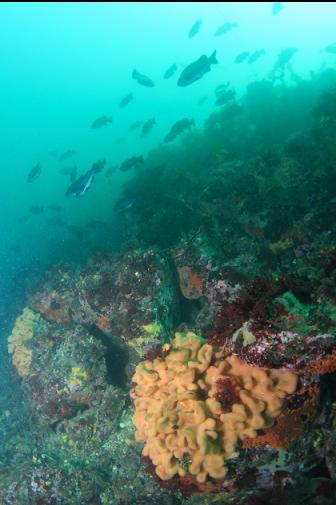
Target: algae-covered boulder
(119, 294)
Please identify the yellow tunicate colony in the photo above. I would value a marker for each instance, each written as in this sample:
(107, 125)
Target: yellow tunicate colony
(179, 418)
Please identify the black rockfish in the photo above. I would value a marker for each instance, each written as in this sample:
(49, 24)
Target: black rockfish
(83, 183)
(197, 69)
(143, 79)
(179, 127)
(34, 173)
(126, 100)
(170, 71)
(101, 121)
(132, 163)
(147, 127)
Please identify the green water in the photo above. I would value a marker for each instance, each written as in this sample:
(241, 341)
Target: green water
(63, 65)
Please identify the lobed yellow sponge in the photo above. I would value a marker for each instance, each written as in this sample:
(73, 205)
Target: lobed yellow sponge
(178, 414)
(22, 332)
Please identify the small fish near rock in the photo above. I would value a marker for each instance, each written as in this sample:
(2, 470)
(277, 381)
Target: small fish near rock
(98, 166)
(197, 69)
(132, 163)
(101, 121)
(142, 79)
(34, 173)
(147, 127)
(331, 48)
(285, 56)
(221, 88)
(178, 128)
(225, 97)
(82, 184)
(124, 204)
(255, 56)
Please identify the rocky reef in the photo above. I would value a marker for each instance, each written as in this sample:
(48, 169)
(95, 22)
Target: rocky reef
(196, 366)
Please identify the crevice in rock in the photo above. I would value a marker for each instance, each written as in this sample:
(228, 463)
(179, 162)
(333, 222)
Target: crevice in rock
(116, 357)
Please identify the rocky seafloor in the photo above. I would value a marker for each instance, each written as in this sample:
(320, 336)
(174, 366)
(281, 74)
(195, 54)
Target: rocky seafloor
(253, 273)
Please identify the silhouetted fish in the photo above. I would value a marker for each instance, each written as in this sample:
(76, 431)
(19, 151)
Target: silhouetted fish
(277, 7)
(132, 163)
(221, 88)
(147, 127)
(331, 49)
(241, 57)
(285, 56)
(124, 204)
(98, 166)
(36, 209)
(225, 97)
(202, 100)
(111, 170)
(56, 221)
(34, 173)
(54, 207)
(126, 100)
(197, 69)
(101, 121)
(77, 231)
(170, 71)
(195, 28)
(256, 55)
(143, 79)
(66, 155)
(135, 125)
(179, 127)
(82, 184)
(70, 171)
(226, 27)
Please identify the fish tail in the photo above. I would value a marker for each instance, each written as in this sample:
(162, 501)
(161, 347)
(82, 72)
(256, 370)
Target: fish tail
(134, 74)
(213, 59)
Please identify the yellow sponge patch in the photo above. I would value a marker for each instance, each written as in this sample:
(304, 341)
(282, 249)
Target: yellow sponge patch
(180, 418)
(22, 332)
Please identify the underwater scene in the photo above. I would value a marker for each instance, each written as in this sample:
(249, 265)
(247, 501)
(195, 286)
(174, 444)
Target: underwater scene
(168, 253)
